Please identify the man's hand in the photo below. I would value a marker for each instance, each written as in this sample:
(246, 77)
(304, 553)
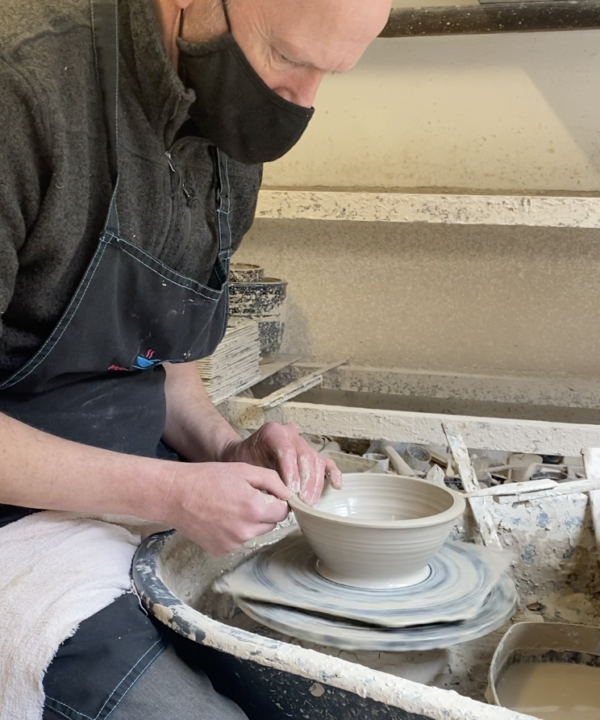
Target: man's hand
(221, 506)
(196, 430)
(282, 448)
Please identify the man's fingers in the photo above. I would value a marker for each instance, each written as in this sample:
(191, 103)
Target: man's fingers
(302, 469)
(319, 482)
(333, 474)
(269, 509)
(287, 462)
(312, 476)
(307, 479)
(275, 513)
(267, 480)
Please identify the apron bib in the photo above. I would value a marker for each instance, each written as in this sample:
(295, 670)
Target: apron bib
(98, 380)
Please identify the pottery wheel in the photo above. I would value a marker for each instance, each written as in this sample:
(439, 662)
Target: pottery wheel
(461, 578)
(345, 635)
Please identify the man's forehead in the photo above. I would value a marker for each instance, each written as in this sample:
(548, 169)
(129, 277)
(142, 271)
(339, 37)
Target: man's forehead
(330, 35)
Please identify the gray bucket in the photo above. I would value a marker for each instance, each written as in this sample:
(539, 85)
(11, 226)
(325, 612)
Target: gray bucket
(534, 642)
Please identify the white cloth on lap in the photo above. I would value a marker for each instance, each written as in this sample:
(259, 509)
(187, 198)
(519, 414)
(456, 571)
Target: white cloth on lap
(56, 570)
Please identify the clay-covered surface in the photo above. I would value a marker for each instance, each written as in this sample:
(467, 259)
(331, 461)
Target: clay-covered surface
(555, 569)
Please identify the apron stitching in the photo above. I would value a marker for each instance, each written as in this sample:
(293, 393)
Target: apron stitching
(18, 377)
(228, 196)
(196, 292)
(58, 702)
(60, 712)
(124, 243)
(88, 717)
(227, 252)
(220, 202)
(128, 674)
(125, 694)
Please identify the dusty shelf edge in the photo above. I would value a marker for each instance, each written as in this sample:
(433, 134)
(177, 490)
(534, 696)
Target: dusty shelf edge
(447, 209)
(524, 436)
(566, 391)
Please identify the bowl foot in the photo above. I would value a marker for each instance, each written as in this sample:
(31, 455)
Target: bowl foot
(402, 582)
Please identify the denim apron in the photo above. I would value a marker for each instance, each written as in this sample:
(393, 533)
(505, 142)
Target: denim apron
(98, 380)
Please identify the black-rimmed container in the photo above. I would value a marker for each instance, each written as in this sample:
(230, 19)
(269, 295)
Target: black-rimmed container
(265, 302)
(245, 273)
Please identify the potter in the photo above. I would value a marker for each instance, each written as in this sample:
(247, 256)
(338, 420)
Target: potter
(134, 136)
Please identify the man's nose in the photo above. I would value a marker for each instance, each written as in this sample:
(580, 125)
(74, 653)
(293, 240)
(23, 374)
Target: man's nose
(301, 87)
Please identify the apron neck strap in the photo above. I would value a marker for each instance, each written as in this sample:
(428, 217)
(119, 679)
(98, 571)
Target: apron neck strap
(105, 29)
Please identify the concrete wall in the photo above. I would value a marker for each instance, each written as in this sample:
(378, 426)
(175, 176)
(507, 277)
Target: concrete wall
(505, 113)
(448, 298)
(500, 112)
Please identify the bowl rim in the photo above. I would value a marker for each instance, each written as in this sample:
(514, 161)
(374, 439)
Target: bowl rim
(457, 508)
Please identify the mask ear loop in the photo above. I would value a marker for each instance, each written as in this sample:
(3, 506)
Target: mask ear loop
(227, 20)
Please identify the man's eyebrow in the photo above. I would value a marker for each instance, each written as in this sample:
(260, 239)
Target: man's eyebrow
(289, 52)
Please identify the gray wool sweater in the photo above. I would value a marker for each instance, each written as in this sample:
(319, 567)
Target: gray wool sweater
(54, 177)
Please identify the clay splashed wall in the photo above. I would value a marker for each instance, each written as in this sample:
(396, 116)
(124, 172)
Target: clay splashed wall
(504, 113)
(497, 112)
(437, 297)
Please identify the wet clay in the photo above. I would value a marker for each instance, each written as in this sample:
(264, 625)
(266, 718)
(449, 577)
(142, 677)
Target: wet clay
(378, 531)
(552, 691)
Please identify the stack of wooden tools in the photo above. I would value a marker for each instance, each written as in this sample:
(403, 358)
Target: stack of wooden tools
(234, 364)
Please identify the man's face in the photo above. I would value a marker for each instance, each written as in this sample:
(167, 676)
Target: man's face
(293, 44)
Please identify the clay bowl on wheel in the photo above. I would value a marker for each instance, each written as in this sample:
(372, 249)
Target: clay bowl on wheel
(379, 530)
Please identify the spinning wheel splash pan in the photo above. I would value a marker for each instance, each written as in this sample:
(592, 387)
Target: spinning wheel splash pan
(460, 578)
(345, 635)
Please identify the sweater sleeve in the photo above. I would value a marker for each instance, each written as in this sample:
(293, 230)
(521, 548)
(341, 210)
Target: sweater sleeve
(24, 168)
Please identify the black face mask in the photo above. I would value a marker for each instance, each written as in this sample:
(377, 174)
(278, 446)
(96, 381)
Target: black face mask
(235, 109)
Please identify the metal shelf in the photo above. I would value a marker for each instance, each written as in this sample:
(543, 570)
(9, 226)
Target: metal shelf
(496, 17)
